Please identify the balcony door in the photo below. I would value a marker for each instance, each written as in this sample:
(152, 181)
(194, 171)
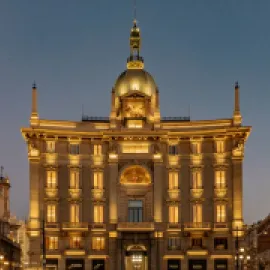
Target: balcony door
(135, 211)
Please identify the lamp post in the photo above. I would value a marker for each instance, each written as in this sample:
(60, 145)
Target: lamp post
(237, 249)
(43, 245)
(1, 261)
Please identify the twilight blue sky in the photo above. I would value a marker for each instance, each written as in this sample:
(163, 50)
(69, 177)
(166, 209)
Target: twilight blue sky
(195, 50)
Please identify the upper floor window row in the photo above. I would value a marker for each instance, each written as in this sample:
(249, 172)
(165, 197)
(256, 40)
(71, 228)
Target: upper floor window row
(74, 149)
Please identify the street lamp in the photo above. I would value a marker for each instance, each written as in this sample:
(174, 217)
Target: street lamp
(243, 258)
(1, 261)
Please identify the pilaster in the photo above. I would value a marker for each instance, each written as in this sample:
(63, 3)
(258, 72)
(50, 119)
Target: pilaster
(158, 190)
(113, 169)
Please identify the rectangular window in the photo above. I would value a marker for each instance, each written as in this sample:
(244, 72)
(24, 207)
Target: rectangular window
(196, 179)
(221, 213)
(52, 242)
(74, 213)
(173, 180)
(98, 213)
(97, 149)
(51, 213)
(173, 214)
(197, 213)
(98, 180)
(196, 147)
(135, 147)
(173, 150)
(220, 180)
(75, 242)
(174, 243)
(98, 243)
(196, 242)
(135, 211)
(134, 123)
(74, 179)
(220, 146)
(51, 179)
(50, 146)
(74, 149)
(220, 243)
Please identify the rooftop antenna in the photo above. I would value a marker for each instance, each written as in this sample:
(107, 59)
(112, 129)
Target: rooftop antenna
(1, 172)
(135, 10)
(82, 111)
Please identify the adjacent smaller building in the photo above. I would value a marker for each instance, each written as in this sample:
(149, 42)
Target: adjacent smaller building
(10, 251)
(257, 240)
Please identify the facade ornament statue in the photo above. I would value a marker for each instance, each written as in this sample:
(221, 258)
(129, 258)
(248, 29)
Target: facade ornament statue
(238, 149)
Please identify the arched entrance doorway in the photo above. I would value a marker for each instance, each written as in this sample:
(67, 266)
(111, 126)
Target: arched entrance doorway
(136, 258)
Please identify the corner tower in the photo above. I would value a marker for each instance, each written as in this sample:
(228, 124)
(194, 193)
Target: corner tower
(135, 96)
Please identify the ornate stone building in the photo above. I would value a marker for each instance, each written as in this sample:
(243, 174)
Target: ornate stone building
(135, 190)
(10, 251)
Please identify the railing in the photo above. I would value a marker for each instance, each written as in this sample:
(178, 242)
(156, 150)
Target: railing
(97, 193)
(196, 192)
(98, 226)
(52, 225)
(220, 192)
(174, 193)
(197, 225)
(180, 118)
(75, 225)
(135, 58)
(51, 191)
(141, 226)
(221, 225)
(75, 192)
(95, 118)
(174, 226)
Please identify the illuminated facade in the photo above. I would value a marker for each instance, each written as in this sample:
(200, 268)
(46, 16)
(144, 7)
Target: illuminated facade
(135, 189)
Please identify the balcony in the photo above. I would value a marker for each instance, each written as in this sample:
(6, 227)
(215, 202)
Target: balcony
(75, 251)
(74, 160)
(221, 226)
(174, 227)
(174, 194)
(136, 226)
(75, 193)
(75, 226)
(196, 193)
(173, 160)
(97, 193)
(196, 159)
(204, 226)
(52, 226)
(97, 160)
(51, 158)
(51, 192)
(220, 192)
(98, 227)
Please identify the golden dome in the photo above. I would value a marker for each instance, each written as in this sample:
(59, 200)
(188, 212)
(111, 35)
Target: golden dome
(132, 80)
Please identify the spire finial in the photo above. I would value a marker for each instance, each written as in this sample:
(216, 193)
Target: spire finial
(135, 61)
(237, 118)
(34, 112)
